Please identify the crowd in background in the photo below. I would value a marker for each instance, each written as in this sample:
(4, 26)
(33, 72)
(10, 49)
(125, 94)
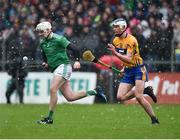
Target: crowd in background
(86, 23)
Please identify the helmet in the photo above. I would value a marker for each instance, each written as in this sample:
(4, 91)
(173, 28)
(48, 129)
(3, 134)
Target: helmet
(121, 22)
(43, 26)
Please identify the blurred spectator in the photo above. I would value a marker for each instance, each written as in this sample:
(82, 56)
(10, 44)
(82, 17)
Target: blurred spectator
(177, 52)
(90, 20)
(152, 47)
(146, 31)
(176, 41)
(28, 42)
(89, 40)
(18, 74)
(13, 42)
(1, 45)
(164, 35)
(137, 32)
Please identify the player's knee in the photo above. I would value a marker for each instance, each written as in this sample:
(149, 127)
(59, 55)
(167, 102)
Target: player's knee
(120, 98)
(69, 98)
(139, 98)
(53, 90)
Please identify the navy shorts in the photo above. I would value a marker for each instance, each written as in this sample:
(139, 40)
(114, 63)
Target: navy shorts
(135, 73)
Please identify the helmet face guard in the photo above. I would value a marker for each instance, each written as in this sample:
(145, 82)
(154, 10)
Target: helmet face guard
(121, 23)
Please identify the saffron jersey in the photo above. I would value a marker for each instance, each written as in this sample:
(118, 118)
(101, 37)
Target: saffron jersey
(128, 44)
(55, 50)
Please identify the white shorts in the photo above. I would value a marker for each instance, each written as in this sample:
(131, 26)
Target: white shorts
(64, 70)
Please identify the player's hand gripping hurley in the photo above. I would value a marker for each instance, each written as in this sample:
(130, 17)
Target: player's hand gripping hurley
(88, 56)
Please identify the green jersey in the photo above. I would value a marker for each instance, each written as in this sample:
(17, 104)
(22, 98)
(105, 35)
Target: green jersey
(55, 50)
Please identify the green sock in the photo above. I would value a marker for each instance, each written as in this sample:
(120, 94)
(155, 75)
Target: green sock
(50, 114)
(91, 92)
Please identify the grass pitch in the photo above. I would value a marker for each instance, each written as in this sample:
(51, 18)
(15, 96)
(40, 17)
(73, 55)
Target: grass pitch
(97, 121)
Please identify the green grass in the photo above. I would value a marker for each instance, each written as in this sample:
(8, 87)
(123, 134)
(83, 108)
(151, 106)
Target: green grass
(89, 122)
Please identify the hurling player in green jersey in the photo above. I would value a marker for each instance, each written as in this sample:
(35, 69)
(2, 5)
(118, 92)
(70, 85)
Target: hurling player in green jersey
(54, 48)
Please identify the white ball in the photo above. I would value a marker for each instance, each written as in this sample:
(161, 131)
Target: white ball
(25, 58)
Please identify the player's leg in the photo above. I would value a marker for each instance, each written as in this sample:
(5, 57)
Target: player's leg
(72, 95)
(61, 78)
(60, 75)
(125, 88)
(129, 79)
(149, 91)
(139, 88)
(124, 92)
(56, 83)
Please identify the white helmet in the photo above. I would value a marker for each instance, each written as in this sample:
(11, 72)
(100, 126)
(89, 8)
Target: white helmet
(121, 22)
(43, 26)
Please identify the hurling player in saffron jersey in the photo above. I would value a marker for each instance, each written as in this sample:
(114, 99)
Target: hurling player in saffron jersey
(54, 48)
(125, 47)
